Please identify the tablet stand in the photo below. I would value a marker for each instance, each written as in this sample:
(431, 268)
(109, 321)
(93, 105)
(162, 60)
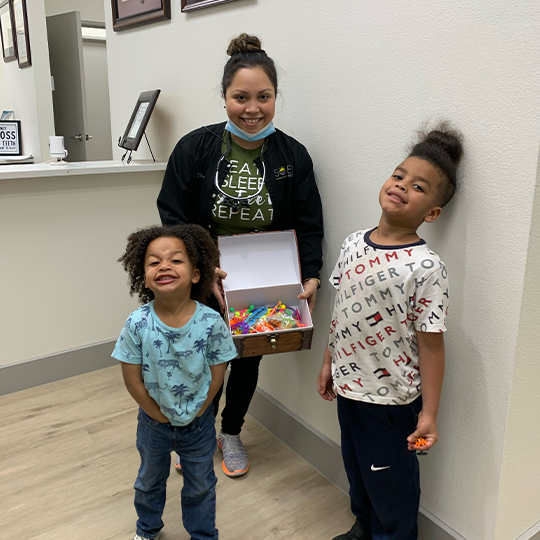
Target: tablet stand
(130, 152)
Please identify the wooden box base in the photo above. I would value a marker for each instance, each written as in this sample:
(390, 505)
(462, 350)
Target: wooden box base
(278, 342)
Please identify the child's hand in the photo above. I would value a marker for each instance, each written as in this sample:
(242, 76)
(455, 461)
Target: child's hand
(158, 416)
(426, 429)
(218, 288)
(325, 383)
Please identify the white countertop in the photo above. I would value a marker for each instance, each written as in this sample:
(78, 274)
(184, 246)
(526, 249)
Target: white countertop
(77, 168)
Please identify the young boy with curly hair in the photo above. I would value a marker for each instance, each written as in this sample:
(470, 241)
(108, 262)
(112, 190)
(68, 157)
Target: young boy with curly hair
(173, 352)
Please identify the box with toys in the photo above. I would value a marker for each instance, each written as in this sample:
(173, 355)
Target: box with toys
(261, 293)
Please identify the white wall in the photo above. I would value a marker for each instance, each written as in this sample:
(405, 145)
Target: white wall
(61, 238)
(29, 89)
(5, 103)
(520, 489)
(356, 79)
(91, 10)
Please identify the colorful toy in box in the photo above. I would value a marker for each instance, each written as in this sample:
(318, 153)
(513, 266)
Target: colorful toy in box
(264, 319)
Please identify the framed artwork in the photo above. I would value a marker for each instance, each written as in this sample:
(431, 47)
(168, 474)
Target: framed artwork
(130, 13)
(7, 33)
(10, 138)
(20, 21)
(139, 120)
(192, 5)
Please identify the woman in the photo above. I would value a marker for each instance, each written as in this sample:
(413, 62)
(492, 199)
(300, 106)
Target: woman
(244, 176)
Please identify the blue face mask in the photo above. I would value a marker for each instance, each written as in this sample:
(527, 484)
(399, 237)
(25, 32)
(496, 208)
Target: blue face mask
(265, 132)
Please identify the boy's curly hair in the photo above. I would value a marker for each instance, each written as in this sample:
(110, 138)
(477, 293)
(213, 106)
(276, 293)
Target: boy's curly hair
(201, 249)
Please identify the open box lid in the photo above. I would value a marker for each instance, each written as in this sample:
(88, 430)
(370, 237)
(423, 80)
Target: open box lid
(259, 260)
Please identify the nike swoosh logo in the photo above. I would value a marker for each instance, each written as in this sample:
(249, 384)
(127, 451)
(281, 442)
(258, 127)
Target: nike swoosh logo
(373, 468)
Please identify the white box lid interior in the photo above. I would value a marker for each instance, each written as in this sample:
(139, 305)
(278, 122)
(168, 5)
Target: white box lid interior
(259, 260)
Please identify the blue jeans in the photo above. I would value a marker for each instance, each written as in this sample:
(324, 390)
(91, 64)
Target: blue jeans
(195, 444)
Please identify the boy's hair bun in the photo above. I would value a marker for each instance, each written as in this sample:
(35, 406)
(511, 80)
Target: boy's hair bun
(244, 43)
(448, 139)
(442, 147)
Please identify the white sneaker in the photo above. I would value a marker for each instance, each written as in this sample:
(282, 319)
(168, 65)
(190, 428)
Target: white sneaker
(137, 537)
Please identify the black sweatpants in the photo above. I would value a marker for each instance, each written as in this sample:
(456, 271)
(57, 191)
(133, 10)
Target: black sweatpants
(241, 386)
(383, 473)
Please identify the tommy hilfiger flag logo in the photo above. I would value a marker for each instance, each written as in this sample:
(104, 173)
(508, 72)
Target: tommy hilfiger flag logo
(374, 319)
(382, 372)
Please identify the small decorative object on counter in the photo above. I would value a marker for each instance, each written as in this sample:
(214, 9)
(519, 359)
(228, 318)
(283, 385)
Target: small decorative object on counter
(10, 138)
(137, 124)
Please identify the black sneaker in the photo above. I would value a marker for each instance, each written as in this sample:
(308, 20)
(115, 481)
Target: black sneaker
(356, 533)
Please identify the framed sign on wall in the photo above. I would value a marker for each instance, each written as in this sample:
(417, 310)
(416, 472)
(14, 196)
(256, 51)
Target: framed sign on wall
(130, 13)
(10, 138)
(7, 31)
(191, 5)
(20, 20)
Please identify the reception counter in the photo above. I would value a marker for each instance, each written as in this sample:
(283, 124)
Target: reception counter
(47, 170)
(62, 230)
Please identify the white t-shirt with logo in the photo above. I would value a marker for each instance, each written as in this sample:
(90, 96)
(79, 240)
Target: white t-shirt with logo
(385, 294)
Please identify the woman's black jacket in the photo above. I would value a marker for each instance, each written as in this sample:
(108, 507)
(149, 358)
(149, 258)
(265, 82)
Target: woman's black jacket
(188, 191)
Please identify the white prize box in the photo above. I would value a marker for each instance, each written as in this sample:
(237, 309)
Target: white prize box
(262, 270)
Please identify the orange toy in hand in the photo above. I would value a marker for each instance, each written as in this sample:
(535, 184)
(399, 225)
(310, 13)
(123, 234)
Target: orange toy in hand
(420, 442)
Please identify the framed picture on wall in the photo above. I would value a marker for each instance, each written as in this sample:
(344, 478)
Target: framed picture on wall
(192, 5)
(20, 21)
(130, 13)
(7, 31)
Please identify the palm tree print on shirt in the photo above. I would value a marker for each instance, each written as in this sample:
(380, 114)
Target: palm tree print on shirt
(179, 390)
(189, 398)
(157, 344)
(172, 337)
(214, 355)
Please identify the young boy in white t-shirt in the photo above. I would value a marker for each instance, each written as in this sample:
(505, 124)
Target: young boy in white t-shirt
(387, 328)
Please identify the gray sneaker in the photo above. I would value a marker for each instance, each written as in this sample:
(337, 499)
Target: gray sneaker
(235, 460)
(177, 464)
(356, 533)
(137, 537)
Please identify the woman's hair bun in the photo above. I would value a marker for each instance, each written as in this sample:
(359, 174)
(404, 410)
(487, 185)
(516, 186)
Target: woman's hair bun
(448, 139)
(244, 43)
(245, 53)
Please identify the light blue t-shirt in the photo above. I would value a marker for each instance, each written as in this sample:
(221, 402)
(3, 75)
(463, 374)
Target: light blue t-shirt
(176, 361)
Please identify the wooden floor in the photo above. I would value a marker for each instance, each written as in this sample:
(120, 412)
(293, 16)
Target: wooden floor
(68, 462)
